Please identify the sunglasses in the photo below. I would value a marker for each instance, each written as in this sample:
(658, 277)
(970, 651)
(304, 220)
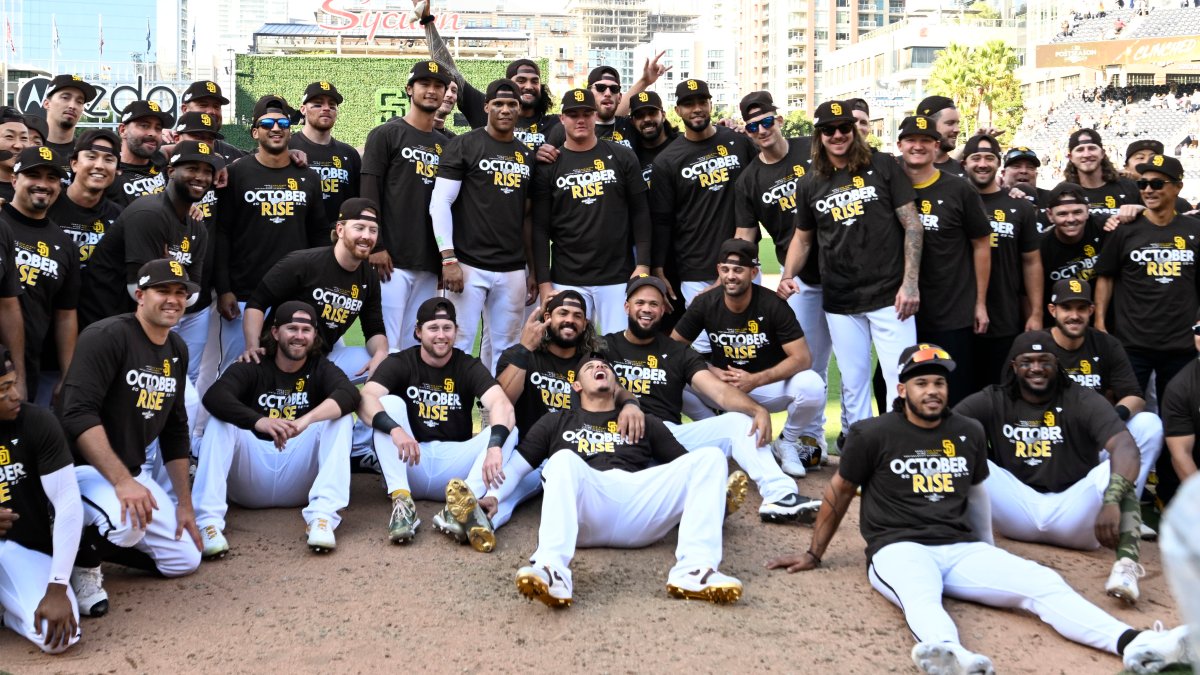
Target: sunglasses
(765, 123)
(609, 88)
(1196, 329)
(929, 354)
(1153, 183)
(843, 129)
(271, 123)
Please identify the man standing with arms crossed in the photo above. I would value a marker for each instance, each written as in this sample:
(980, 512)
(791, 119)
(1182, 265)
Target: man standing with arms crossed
(337, 164)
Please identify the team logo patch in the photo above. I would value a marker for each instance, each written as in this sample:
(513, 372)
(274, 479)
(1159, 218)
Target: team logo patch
(1157, 161)
(520, 158)
(42, 249)
(98, 226)
(324, 86)
(1110, 202)
(752, 326)
(448, 385)
(185, 245)
(354, 290)
(1089, 250)
(798, 170)
(652, 361)
(612, 427)
(154, 106)
(570, 376)
(692, 86)
(292, 184)
(921, 123)
(1048, 418)
(998, 214)
(835, 108)
(948, 448)
(858, 181)
(438, 147)
(211, 87)
(45, 153)
(579, 95)
(1180, 243)
(300, 384)
(926, 207)
(643, 97)
(206, 119)
(722, 151)
(599, 164)
(1085, 366)
(166, 368)
(337, 162)
(433, 66)
(203, 148)
(176, 268)
(1075, 286)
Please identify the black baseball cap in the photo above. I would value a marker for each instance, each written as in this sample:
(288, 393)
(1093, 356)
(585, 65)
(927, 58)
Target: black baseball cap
(1084, 136)
(922, 359)
(196, 151)
(38, 124)
(436, 308)
(742, 252)
(356, 209)
(71, 82)
(198, 123)
(502, 88)
(516, 66)
(1033, 342)
(832, 112)
(1066, 193)
(165, 271)
(756, 103)
(1019, 153)
(603, 73)
(691, 89)
(270, 103)
(1150, 144)
(204, 89)
(41, 155)
(645, 280)
(429, 70)
(567, 298)
(932, 105)
(981, 143)
(286, 313)
(87, 141)
(859, 104)
(919, 125)
(645, 99)
(578, 99)
(321, 88)
(1066, 290)
(592, 356)
(139, 109)
(1168, 166)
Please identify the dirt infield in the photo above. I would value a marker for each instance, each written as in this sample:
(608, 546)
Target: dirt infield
(437, 607)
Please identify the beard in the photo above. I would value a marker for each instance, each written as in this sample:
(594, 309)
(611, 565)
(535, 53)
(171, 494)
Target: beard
(698, 126)
(643, 333)
(928, 417)
(566, 343)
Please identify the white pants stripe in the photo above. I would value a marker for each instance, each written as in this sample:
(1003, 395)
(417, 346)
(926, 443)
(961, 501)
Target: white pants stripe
(23, 575)
(401, 296)
(806, 304)
(731, 433)
(605, 305)
(1066, 518)
(853, 335)
(497, 297)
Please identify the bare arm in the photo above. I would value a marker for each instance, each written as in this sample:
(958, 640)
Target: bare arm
(1181, 448)
(1134, 404)
(12, 333)
(1124, 456)
(252, 323)
(834, 503)
(981, 252)
(908, 299)
(734, 400)
(1103, 296)
(499, 407)
(797, 254)
(1031, 268)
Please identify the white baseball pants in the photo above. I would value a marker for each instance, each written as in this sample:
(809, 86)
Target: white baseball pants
(23, 575)
(853, 335)
(914, 577)
(400, 297)
(209, 363)
(312, 470)
(193, 328)
(497, 297)
(173, 558)
(731, 433)
(351, 360)
(233, 341)
(1181, 554)
(689, 290)
(806, 305)
(801, 395)
(1066, 518)
(1147, 431)
(605, 305)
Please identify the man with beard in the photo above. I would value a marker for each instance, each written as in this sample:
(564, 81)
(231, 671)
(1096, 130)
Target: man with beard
(400, 166)
(338, 164)
(1048, 483)
(590, 206)
(1021, 166)
(338, 281)
(444, 111)
(14, 136)
(1089, 166)
(1016, 263)
(927, 520)
(279, 435)
(480, 214)
(64, 102)
(956, 261)
(419, 402)
(46, 263)
(945, 115)
(604, 83)
(656, 369)
(142, 168)
(653, 133)
(83, 210)
(269, 208)
(862, 116)
(1072, 246)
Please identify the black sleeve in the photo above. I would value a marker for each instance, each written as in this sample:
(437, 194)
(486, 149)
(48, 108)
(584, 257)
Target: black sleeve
(639, 219)
(743, 205)
(318, 227)
(372, 316)
(975, 222)
(355, 179)
(175, 441)
(221, 252)
(452, 165)
(43, 432)
(1177, 405)
(335, 385)
(223, 400)
(979, 445)
(67, 296)
(902, 191)
(691, 323)
(977, 406)
(280, 284)
(92, 371)
(660, 244)
(556, 136)
(478, 379)
(392, 373)
(805, 220)
(1030, 236)
(470, 104)
(1102, 420)
(377, 151)
(693, 363)
(144, 239)
(855, 464)
(782, 316)
(534, 445)
(543, 208)
(663, 445)
(1108, 263)
(370, 190)
(1121, 379)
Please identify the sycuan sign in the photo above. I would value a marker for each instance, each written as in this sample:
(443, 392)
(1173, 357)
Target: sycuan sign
(361, 18)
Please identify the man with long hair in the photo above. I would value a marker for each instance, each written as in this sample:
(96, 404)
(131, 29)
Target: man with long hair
(1089, 166)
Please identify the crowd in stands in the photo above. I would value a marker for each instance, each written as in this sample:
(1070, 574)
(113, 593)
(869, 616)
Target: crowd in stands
(1130, 20)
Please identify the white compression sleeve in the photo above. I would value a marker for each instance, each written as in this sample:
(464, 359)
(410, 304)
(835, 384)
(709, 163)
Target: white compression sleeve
(63, 492)
(445, 191)
(979, 513)
(515, 469)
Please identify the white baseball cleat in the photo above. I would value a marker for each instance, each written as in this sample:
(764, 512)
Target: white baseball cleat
(545, 585)
(705, 584)
(1153, 650)
(788, 454)
(215, 544)
(949, 658)
(88, 584)
(1123, 580)
(320, 536)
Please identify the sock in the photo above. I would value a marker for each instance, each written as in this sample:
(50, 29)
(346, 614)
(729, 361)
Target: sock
(1126, 637)
(1129, 540)
(397, 494)
(129, 557)
(87, 555)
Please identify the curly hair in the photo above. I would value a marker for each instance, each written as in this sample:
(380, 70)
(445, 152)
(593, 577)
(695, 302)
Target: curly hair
(589, 341)
(1108, 172)
(858, 158)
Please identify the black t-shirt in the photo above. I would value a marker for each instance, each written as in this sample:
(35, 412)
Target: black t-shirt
(265, 214)
(61, 149)
(951, 166)
(148, 229)
(536, 131)
(1062, 261)
(860, 237)
(132, 387)
(248, 392)
(583, 216)
(489, 213)
(694, 192)
(439, 401)
(594, 437)
(1181, 402)
(766, 194)
(547, 387)
(1108, 199)
(1100, 364)
(752, 340)
(915, 481)
(1014, 233)
(655, 373)
(47, 268)
(337, 165)
(86, 227)
(138, 180)
(405, 161)
(532, 130)
(1153, 269)
(229, 152)
(647, 156)
(1050, 446)
(31, 446)
(620, 131)
(952, 213)
(10, 285)
(339, 295)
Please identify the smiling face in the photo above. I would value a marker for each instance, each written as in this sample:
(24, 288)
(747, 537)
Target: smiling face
(918, 151)
(735, 278)
(36, 189)
(767, 138)
(530, 85)
(10, 397)
(437, 337)
(565, 325)
(1036, 372)
(295, 339)
(95, 170)
(696, 112)
(142, 136)
(925, 395)
(981, 168)
(1072, 317)
(595, 378)
(837, 139)
(162, 305)
(193, 179)
(14, 136)
(1068, 220)
(645, 309)
(948, 123)
(1020, 171)
(273, 141)
(649, 123)
(358, 236)
(1087, 158)
(207, 104)
(1162, 198)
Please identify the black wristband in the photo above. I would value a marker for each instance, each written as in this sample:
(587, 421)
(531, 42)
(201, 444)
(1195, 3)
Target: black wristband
(814, 555)
(632, 400)
(383, 422)
(520, 356)
(426, 20)
(1123, 412)
(499, 435)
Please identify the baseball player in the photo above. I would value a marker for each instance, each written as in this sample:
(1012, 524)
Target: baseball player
(656, 369)
(1045, 433)
(12, 320)
(859, 209)
(945, 115)
(590, 206)
(14, 137)
(1089, 166)
(122, 395)
(419, 402)
(399, 167)
(64, 102)
(1021, 164)
(1072, 247)
(601, 491)
(653, 133)
(444, 111)
(758, 346)
(1142, 151)
(480, 212)
(926, 518)
(338, 164)
(604, 83)
(83, 211)
(38, 130)
(338, 281)
(142, 170)
(36, 551)
(279, 435)
(862, 116)
(204, 97)
(1181, 418)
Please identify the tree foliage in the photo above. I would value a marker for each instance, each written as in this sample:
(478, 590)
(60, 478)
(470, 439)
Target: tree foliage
(796, 124)
(982, 83)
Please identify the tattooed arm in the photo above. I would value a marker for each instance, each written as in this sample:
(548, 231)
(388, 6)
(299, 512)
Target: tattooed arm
(908, 298)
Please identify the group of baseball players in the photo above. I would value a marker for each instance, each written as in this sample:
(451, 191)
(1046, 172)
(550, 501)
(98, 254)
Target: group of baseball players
(173, 314)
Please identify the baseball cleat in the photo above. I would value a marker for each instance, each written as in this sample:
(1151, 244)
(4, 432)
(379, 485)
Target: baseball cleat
(1148, 533)
(461, 503)
(1123, 580)
(320, 536)
(445, 523)
(215, 544)
(811, 452)
(88, 584)
(403, 524)
(707, 584)
(735, 491)
(791, 508)
(948, 658)
(1153, 650)
(544, 585)
(788, 454)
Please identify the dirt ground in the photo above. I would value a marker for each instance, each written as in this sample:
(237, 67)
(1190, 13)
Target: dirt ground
(435, 606)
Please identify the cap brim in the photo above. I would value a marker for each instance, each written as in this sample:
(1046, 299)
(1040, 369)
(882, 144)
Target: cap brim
(927, 134)
(1147, 168)
(214, 160)
(190, 286)
(88, 91)
(828, 122)
(58, 169)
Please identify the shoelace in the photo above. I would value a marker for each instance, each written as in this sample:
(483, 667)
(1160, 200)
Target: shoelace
(1131, 573)
(401, 509)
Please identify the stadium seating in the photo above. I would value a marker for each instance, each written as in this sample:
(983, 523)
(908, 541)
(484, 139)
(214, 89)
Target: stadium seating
(1160, 22)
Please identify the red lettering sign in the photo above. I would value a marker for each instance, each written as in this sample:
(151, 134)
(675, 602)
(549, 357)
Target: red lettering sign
(363, 17)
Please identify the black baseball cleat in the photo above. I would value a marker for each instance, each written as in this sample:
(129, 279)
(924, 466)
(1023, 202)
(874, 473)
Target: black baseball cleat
(794, 507)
